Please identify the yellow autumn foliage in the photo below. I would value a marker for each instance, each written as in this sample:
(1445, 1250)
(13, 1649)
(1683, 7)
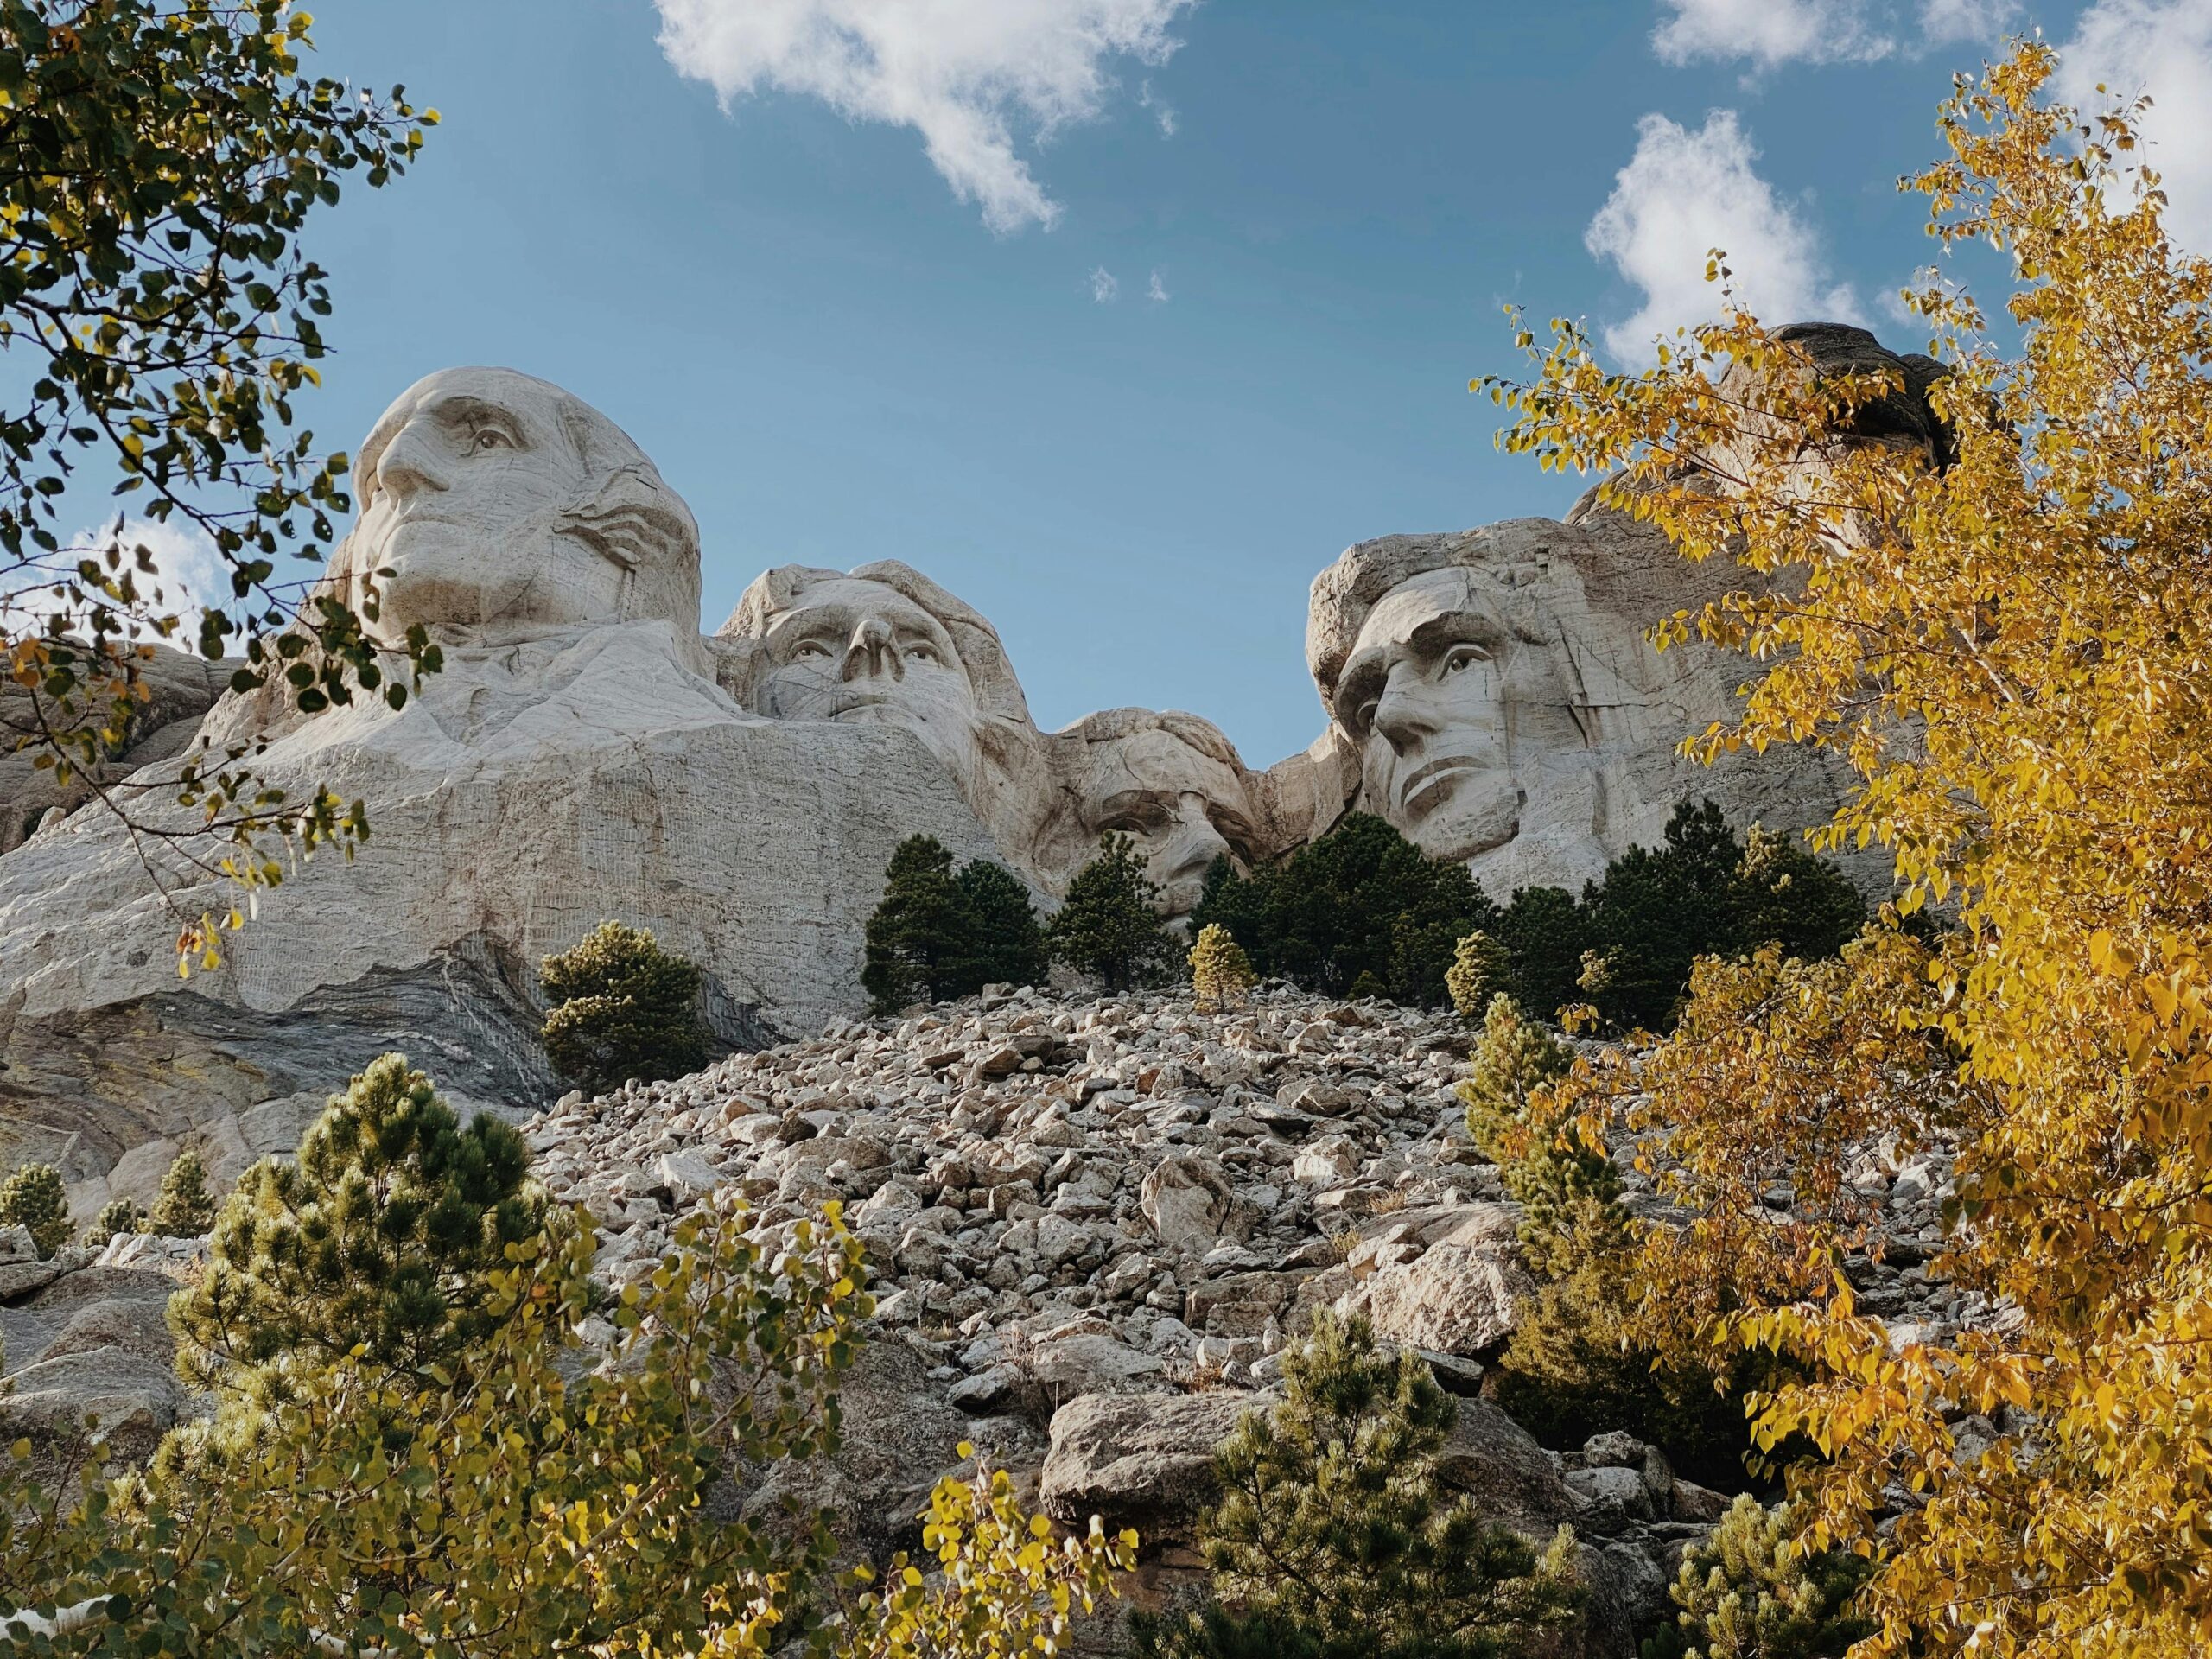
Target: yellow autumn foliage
(2009, 640)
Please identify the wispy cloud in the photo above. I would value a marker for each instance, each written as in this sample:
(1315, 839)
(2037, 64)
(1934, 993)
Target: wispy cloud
(1104, 286)
(1162, 111)
(1155, 290)
(972, 77)
(1684, 192)
(2162, 48)
(1767, 33)
(189, 576)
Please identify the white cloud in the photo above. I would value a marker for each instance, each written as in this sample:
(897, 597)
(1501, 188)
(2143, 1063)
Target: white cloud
(1104, 286)
(1684, 192)
(2164, 47)
(1162, 111)
(1769, 31)
(970, 76)
(190, 575)
(1772, 32)
(1156, 291)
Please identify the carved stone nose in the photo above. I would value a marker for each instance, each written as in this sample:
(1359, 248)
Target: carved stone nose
(1402, 719)
(871, 652)
(408, 466)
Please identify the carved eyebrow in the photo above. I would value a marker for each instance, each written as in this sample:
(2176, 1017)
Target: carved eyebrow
(464, 409)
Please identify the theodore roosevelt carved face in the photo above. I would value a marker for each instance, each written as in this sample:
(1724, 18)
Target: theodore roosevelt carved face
(497, 507)
(1174, 785)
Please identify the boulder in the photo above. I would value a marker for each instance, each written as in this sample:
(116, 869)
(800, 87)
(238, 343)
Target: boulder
(1459, 1299)
(1187, 1202)
(1138, 1460)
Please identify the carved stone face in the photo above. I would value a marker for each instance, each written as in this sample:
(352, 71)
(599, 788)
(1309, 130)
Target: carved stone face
(1427, 696)
(1181, 807)
(503, 505)
(861, 652)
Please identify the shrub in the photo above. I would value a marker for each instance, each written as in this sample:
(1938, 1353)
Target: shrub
(1480, 970)
(1359, 911)
(938, 934)
(1110, 923)
(1221, 973)
(118, 1218)
(621, 1008)
(1581, 1360)
(183, 1208)
(34, 1198)
(1746, 1593)
(1334, 1537)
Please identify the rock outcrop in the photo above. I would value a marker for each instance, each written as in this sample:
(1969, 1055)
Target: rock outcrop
(586, 755)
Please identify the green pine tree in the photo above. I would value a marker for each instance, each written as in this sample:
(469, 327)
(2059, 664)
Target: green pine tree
(917, 935)
(34, 1198)
(1746, 1593)
(116, 1217)
(1512, 1057)
(621, 1008)
(1109, 924)
(1335, 1539)
(1006, 943)
(183, 1208)
(377, 1243)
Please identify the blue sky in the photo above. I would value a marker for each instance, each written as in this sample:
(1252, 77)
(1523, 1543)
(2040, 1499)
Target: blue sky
(835, 357)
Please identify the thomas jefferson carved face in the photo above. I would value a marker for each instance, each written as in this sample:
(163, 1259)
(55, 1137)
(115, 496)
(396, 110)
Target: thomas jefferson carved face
(504, 506)
(854, 650)
(1181, 806)
(1428, 694)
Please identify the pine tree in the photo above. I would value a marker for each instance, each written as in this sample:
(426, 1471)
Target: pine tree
(622, 1008)
(183, 1208)
(1221, 973)
(1746, 1593)
(1109, 924)
(918, 933)
(118, 1218)
(1006, 943)
(1334, 1538)
(375, 1247)
(1480, 970)
(34, 1198)
(1512, 1057)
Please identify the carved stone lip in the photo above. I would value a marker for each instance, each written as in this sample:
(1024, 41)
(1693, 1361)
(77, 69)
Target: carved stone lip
(1429, 784)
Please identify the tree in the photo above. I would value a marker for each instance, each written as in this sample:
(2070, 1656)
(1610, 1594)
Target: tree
(118, 1218)
(622, 1008)
(1109, 923)
(183, 1208)
(160, 318)
(1999, 616)
(1480, 970)
(1335, 1537)
(1746, 1593)
(1513, 1058)
(1362, 901)
(526, 1495)
(1006, 943)
(381, 1244)
(1221, 973)
(1545, 934)
(34, 1198)
(938, 934)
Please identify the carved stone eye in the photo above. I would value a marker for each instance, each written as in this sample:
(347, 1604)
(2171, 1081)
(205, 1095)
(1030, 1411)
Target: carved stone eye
(922, 653)
(1464, 657)
(491, 437)
(807, 648)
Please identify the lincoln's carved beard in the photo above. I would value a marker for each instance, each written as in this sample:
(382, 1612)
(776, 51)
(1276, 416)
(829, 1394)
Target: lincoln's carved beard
(862, 652)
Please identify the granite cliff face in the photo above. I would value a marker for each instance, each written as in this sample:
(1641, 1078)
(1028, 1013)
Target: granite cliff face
(587, 754)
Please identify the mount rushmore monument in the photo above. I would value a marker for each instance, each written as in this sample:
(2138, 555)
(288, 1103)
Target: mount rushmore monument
(589, 752)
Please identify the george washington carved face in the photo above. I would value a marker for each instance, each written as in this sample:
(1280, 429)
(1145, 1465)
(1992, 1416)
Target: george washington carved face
(501, 506)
